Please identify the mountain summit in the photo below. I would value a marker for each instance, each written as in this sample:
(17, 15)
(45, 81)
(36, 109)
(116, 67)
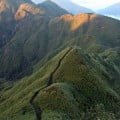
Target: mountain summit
(52, 8)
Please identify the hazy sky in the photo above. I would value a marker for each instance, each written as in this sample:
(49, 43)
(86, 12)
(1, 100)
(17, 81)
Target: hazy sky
(94, 4)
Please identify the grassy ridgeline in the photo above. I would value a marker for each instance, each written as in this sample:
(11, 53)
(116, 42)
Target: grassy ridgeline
(80, 90)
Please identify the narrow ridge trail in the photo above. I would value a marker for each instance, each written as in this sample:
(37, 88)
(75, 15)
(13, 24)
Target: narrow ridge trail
(37, 109)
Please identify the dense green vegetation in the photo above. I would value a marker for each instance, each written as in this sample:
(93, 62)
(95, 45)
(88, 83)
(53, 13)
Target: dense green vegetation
(80, 90)
(86, 83)
(26, 49)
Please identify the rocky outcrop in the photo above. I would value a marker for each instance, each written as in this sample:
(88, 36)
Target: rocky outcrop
(26, 9)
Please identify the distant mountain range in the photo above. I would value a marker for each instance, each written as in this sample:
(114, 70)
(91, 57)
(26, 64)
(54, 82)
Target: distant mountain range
(112, 11)
(70, 6)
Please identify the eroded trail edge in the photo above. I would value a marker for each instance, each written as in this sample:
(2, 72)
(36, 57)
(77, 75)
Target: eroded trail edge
(37, 109)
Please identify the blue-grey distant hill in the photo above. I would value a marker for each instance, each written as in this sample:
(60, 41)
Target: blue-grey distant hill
(113, 10)
(71, 7)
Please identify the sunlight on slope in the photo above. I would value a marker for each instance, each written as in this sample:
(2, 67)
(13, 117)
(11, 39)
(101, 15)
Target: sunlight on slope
(25, 9)
(78, 20)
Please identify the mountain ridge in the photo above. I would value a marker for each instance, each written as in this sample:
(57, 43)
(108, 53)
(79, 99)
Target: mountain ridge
(50, 6)
(75, 58)
(68, 27)
(94, 90)
(70, 6)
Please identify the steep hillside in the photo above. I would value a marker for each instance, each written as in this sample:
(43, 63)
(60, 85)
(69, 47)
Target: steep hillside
(57, 66)
(22, 15)
(31, 44)
(18, 10)
(9, 8)
(80, 89)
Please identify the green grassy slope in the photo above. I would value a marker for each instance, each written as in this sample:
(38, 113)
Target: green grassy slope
(25, 86)
(86, 84)
(81, 90)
